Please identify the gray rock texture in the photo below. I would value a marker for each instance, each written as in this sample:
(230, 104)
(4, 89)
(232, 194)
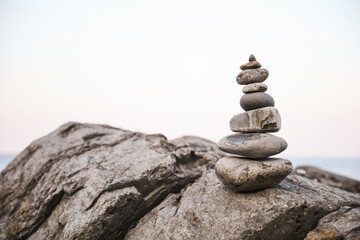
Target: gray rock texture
(342, 224)
(252, 76)
(86, 181)
(251, 101)
(259, 120)
(253, 145)
(241, 174)
(207, 209)
(329, 178)
(254, 87)
(250, 65)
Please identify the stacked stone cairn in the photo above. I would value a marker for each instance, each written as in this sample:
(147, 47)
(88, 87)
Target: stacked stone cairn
(254, 170)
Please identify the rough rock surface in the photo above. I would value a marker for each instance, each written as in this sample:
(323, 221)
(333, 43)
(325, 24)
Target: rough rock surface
(209, 210)
(329, 178)
(342, 224)
(254, 87)
(86, 181)
(241, 174)
(253, 145)
(252, 76)
(259, 120)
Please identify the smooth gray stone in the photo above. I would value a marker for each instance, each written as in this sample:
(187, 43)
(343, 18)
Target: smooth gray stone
(252, 145)
(265, 119)
(250, 101)
(252, 76)
(244, 175)
(254, 87)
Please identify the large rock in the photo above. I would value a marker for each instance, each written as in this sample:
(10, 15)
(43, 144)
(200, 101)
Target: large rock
(259, 120)
(342, 224)
(329, 178)
(209, 210)
(87, 181)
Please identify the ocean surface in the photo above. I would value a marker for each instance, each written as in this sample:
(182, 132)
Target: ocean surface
(349, 167)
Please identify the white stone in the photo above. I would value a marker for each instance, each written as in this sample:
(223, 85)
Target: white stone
(265, 119)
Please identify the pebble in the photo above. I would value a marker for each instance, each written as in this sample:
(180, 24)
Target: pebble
(252, 145)
(244, 175)
(255, 100)
(254, 87)
(265, 119)
(252, 76)
(250, 65)
(252, 58)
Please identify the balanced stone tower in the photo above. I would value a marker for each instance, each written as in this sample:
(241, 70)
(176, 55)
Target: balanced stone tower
(253, 170)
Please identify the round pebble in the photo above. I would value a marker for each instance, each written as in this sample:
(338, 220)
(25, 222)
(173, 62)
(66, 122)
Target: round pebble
(252, 76)
(256, 100)
(254, 87)
(253, 145)
(244, 175)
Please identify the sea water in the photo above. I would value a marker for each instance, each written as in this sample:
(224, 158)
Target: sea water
(349, 167)
(5, 160)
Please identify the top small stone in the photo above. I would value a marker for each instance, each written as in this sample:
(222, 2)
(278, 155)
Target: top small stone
(251, 64)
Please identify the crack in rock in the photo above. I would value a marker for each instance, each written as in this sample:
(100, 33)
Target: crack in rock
(88, 181)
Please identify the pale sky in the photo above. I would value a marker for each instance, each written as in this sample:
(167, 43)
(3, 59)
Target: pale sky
(170, 67)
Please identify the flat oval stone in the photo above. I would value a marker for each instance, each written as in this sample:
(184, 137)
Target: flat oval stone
(254, 87)
(244, 175)
(259, 120)
(252, 76)
(256, 100)
(253, 145)
(250, 65)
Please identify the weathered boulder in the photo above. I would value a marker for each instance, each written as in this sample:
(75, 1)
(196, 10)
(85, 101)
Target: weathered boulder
(86, 181)
(342, 224)
(329, 178)
(207, 209)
